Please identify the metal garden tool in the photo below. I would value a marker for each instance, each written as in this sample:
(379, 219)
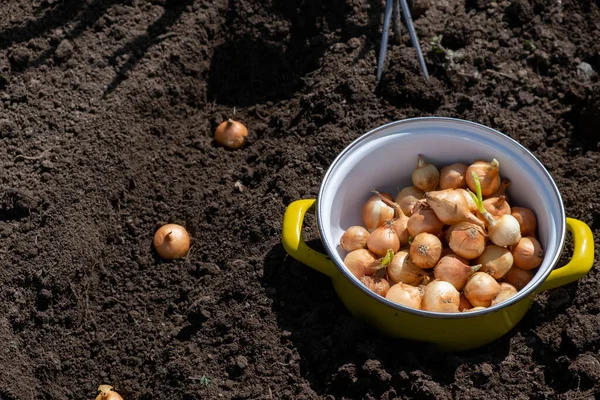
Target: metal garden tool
(392, 6)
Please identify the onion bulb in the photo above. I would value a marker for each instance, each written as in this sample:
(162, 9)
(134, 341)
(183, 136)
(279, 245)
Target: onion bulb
(506, 285)
(497, 206)
(488, 174)
(425, 176)
(464, 303)
(423, 219)
(451, 207)
(528, 253)
(504, 230)
(476, 308)
(406, 295)
(383, 239)
(504, 294)
(377, 285)
(469, 199)
(231, 134)
(466, 240)
(450, 270)
(504, 184)
(447, 252)
(481, 289)
(354, 238)
(359, 262)
(407, 197)
(399, 225)
(495, 260)
(402, 269)
(453, 176)
(518, 277)
(171, 241)
(375, 212)
(527, 220)
(106, 393)
(440, 296)
(425, 250)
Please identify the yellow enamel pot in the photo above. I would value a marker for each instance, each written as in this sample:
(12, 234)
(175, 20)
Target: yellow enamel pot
(384, 159)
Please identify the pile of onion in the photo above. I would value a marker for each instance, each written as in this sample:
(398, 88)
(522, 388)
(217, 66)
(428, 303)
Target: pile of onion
(451, 242)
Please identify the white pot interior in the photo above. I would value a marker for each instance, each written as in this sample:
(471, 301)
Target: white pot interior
(385, 158)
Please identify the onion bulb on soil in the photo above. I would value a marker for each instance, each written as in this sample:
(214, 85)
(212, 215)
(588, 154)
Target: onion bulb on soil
(440, 296)
(354, 238)
(377, 285)
(359, 262)
(495, 260)
(231, 134)
(383, 239)
(106, 393)
(406, 295)
(407, 197)
(425, 176)
(425, 250)
(504, 294)
(518, 277)
(504, 230)
(528, 253)
(451, 270)
(375, 212)
(481, 288)
(423, 219)
(171, 241)
(453, 176)
(488, 174)
(451, 207)
(402, 269)
(467, 240)
(527, 220)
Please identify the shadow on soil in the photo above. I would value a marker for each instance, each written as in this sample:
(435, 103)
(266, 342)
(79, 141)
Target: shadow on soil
(247, 69)
(341, 354)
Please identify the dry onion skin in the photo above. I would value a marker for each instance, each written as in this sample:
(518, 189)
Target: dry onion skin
(527, 220)
(528, 253)
(383, 239)
(408, 197)
(106, 393)
(466, 240)
(231, 134)
(425, 250)
(354, 238)
(425, 176)
(440, 296)
(488, 174)
(406, 295)
(518, 277)
(423, 219)
(453, 176)
(495, 260)
(402, 270)
(377, 285)
(504, 294)
(481, 289)
(375, 212)
(171, 241)
(359, 262)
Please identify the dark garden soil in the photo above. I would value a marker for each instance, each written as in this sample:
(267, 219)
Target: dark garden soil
(107, 111)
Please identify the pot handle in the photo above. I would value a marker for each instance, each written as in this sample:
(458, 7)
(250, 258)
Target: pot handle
(581, 262)
(293, 242)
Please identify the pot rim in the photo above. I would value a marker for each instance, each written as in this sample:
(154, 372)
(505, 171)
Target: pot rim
(521, 295)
